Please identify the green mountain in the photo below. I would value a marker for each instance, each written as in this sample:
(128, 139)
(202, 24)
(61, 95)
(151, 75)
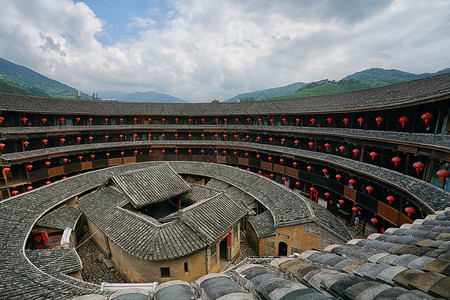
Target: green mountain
(13, 88)
(380, 77)
(149, 96)
(267, 93)
(34, 82)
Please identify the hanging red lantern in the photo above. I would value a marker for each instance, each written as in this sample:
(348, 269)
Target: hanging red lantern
(327, 146)
(248, 169)
(176, 151)
(295, 164)
(311, 144)
(373, 155)
(224, 136)
(78, 139)
(24, 120)
(121, 120)
(106, 120)
(271, 121)
(29, 167)
(107, 155)
(246, 154)
(360, 121)
(272, 176)
(62, 141)
(44, 120)
(121, 137)
(282, 141)
(284, 179)
(215, 152)
(7, 170)
(283, 120)
(403, 121)
(325, 171)
(203, 121)
(281, 161)
(62, 120)
(2, 146)
(26, 143)
(237, 120)
(270, 140)
(163, 151)
(176, 120)
(369, 189)
(202, 135)
(345, 120)
(258, 138)
(47, 163)
(202, 151)
(374, 221)
(176, 136)
(78, 120)
(297, 183)
(419, 166)
(217, 120)
(329, 120)
(65, 177)
(235, 136)
(216, 136)
(313, 121)
(309, 168)
(260, 172)
(341, 202)
(248, 120)
(258, 156)
(90, 139)
(149, 152)
(1, 120)
(136, 152)
(356, 152)
(162, 135)
(15, 193)
(80, 158)
(379, 120)
(48, 182)
(224, 152)
(163, 120)
(106, 137)
(269, 158)
(390, 199)
(90, 120)
(65, 160)
(297, 121)
(149, 135)
(235, 153)
(92, 156)
(247, 137)
(189, 136)
(351, 182)
(410, 211)
(338, 177)
(396, 160)
(342, 148)
(296, 143)
(149, 120)
(443, 174)
(327, 195)
(354, 209)
(45, 141)
(29, 188)
(225, 120)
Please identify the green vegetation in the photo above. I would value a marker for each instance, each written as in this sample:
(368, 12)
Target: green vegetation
(186, 198)
(13, 88)
(215, 101)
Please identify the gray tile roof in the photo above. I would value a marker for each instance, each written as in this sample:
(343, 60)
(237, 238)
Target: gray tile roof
(60, 218)
(63, 261)
(263, 224)
(398, 95)
(151, 185)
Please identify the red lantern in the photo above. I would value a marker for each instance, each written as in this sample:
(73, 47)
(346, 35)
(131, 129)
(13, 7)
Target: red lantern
(2, 146)
(237, 120)
(64, 177)
(163, 120)
(443, 174)
(106, 137)
(248, 120)
(224, 152)
(403, 121)
(247, 137)
(29, 167)
(202, 151)
(90, 120)
(107, 155)
(258, 156)
(260, 172)
(327, 195)
(24, 120)
(297, 121)
(281, 160)
(327, 146)
(325, 171)
(106, 120)
(176, 151)
(338, 177)
(246, 154)
(136, 152)
(329, 120)
(258, 139)
(309, 168)
(345, 120)
(271, 140)
(284, 179)
(297, 184)
(356, 152)
(374, 221)
(282, 141)
(7, 170)
(80, 158)
(342, 148)
(235, 153)
(62, 140)
(410, 211)
(189, 136)
(176, 136)
(176, 120)
(121, 120)
(15, 193)
(310, 144)
(390, 199)
(215, 151)
(313, 121)
(26, 143)
(396, 160)
(162, 135)
(78, 139)
(48, 182)
(369, 189)
(44, 120)
(135, 120)
(354, 209)
(427, 117)
(149, 120)
(92, 156)
(1, 120)
(149, 152)
(224, 136)
(271, 121)
(47, 163)
(202, 135)
(272, 176)
(295, 164)
(163, 151)
(90, 139)
(296, 143)
(76, 119)
(217, 120)
(341, 202)
(29, 188)
(65, 160)
(379, 120)
(62, 120)
(360, 121)
(203, 121)
(351, 182)
(248, 169)
(121, 137)
(225, 120)
(269, 158)
(216, 136)
(373, 155)
(419, 166)
(235, 136)
(149, 135)
(45, 141)
(283, 120)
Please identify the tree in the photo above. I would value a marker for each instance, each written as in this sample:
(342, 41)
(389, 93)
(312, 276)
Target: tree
(215, 101)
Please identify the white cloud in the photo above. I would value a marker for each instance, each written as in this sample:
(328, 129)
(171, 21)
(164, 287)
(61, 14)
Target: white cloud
(217, 49)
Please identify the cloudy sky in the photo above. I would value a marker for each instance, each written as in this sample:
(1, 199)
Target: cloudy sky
(201, 50)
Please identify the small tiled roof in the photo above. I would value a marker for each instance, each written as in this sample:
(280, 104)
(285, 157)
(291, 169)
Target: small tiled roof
(152, 185)
(60, 218)
(263, 224)
(63, 261)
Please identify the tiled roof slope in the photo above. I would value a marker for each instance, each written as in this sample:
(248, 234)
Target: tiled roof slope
(151, 185)
(63, 261)
(61, 218)
(396, 95)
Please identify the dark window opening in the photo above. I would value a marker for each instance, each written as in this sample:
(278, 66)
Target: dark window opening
(165, 272)
(186, 267)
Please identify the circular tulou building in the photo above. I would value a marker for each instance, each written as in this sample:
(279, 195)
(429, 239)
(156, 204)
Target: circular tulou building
(169, 191)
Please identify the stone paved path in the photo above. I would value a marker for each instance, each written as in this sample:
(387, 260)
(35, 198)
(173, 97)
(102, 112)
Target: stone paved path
(94, 269)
